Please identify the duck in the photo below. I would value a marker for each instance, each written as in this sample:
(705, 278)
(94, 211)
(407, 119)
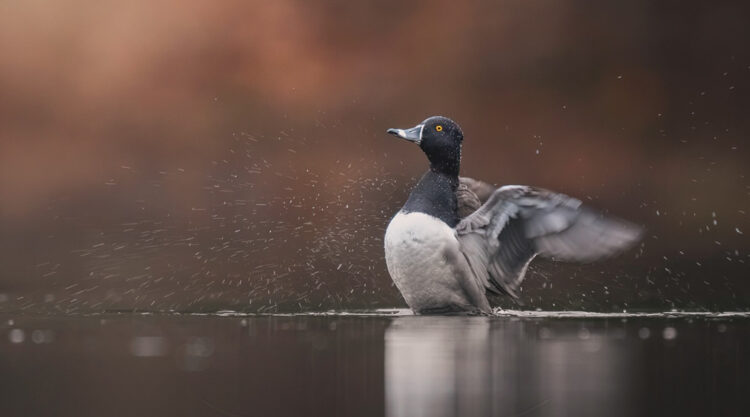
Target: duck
(458, 240)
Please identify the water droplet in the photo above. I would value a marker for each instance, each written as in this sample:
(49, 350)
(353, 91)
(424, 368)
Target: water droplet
(16, 336)
(669, 333)
(148, 346)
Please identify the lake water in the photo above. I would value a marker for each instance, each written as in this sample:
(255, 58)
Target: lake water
(375, 364)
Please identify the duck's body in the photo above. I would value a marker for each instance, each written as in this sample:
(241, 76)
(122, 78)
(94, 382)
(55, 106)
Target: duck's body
(455, 239)
(415, 252)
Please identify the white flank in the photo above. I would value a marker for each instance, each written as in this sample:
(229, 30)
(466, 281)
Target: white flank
(415, 244)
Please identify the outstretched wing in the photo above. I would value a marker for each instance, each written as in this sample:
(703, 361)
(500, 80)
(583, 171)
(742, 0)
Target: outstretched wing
(517, 223)
(471, 194)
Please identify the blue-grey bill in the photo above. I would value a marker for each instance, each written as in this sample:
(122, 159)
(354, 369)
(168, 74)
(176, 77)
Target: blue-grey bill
(412, 135)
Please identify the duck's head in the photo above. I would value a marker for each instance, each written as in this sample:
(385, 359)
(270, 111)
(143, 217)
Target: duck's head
(440, 139)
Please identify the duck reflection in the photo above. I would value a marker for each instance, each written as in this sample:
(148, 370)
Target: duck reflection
(476, 366)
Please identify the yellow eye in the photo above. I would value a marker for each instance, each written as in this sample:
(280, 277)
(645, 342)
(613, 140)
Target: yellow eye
(439, 128)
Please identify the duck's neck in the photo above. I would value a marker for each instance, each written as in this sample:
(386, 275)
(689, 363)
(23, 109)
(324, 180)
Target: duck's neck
(435, 194)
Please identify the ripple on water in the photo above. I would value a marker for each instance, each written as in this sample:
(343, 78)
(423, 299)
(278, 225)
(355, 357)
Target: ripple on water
(399, 312)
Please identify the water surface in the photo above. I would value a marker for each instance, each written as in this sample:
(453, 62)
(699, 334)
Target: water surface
(388, 363)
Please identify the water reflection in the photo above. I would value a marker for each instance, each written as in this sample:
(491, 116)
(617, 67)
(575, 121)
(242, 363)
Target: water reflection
(437, 366)
(472, 366)
(204, 366)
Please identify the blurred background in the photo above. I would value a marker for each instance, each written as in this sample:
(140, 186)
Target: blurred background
(226, 154)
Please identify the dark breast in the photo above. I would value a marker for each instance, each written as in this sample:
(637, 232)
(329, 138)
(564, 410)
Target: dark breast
(435, 194)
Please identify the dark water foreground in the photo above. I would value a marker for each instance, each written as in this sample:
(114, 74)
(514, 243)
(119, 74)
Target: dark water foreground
(178, 365)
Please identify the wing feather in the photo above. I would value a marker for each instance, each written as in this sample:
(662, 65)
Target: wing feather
(471, 194)
(517, 223)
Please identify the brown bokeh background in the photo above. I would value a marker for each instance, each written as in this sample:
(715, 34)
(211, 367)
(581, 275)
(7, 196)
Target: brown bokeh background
(208, 155)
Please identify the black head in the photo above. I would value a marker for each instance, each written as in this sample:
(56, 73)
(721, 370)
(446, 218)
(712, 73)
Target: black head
(440, 139)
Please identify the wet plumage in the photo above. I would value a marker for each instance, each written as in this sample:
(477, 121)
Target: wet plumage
(457, 239)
